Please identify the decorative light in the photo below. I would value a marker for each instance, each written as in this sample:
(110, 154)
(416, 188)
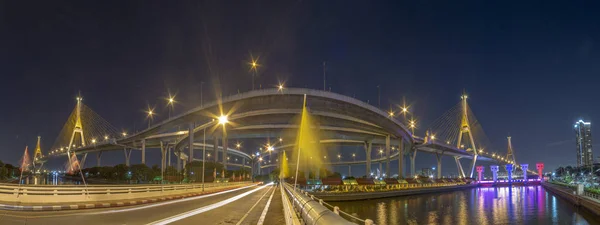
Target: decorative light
(280, 87)
(93, 140)
(105, 137)
(124, 134)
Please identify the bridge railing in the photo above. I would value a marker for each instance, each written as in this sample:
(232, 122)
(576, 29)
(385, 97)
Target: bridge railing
(315, 211)
(73, 193)
(375, 187)
(103, 189)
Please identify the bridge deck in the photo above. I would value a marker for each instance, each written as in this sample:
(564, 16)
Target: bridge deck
(244, 205)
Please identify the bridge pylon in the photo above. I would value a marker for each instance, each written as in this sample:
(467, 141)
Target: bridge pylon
(465, 129)
(77, 130)
(510, 153)
(37, 155)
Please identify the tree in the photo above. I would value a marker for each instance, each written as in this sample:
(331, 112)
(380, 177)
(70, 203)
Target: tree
(141, 173)
(121, 172)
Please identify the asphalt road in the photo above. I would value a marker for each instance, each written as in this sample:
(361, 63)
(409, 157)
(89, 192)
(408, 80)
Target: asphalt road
(246, 205)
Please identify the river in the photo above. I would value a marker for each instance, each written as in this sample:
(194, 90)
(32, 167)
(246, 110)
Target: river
(502, 205)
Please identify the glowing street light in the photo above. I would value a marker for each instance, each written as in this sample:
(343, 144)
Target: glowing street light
(253, 67)
(223, 119)
(171, 103)
(238, 145)
(93, 141)
(280, 87)
(124, 134)
(105, 137)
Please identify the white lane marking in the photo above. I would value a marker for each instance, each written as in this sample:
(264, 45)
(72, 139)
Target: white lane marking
(203, 209)
(134, 208)
(251, 208)
(264, 212)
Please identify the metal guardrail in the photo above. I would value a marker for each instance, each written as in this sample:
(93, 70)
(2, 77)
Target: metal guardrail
(102, 189)
(315, 211)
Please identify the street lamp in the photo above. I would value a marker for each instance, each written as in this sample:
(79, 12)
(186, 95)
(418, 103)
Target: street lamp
(170, 104)
(280, 87)
(150, 115)
(253, 67)
(223, 119)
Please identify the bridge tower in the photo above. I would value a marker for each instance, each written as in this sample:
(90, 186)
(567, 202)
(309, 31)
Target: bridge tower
(465, 128)
(77, 130)
(38, 152)
(509, 153)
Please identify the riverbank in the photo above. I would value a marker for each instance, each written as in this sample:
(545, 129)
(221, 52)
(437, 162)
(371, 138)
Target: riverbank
(355, 196)
(585, 202)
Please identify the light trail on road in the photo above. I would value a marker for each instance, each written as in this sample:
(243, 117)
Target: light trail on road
(205, 208)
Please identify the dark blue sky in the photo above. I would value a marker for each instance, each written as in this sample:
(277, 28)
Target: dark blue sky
(531, 68)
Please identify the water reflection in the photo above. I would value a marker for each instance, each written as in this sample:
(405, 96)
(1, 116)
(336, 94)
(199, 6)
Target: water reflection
(49, 179)
(489, 205)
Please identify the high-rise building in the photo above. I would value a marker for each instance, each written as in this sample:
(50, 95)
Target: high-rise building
(583, 135)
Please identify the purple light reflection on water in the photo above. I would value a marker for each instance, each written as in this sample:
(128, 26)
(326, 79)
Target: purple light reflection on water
(484, 205)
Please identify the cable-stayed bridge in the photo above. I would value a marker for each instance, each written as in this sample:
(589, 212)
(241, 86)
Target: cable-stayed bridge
(272, 114)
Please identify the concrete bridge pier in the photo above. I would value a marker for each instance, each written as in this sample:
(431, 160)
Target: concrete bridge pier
(509, 169)
(459, 166)
(494, 169)
(387, 155)
(349, 170)
(169, 153)
(144, 151)
(479, 173)
(98, 157)
(540, 168)
(216, 146)
(127, 156)
(401, 158)
(82, 164)
(368, 148)
(524, 168)
(438, 156)
(413, 157)
(191, 141)
(225, 147)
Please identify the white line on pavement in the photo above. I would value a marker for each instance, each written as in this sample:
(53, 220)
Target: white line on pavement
(251, 208)
(203, 209)
(264, 212)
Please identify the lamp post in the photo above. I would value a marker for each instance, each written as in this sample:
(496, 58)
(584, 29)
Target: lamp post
(150, 116)
(253, 66)
(203, 156)
(170, 104)
(223, 120)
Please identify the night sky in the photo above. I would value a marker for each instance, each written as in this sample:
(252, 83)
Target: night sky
(531, 68)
